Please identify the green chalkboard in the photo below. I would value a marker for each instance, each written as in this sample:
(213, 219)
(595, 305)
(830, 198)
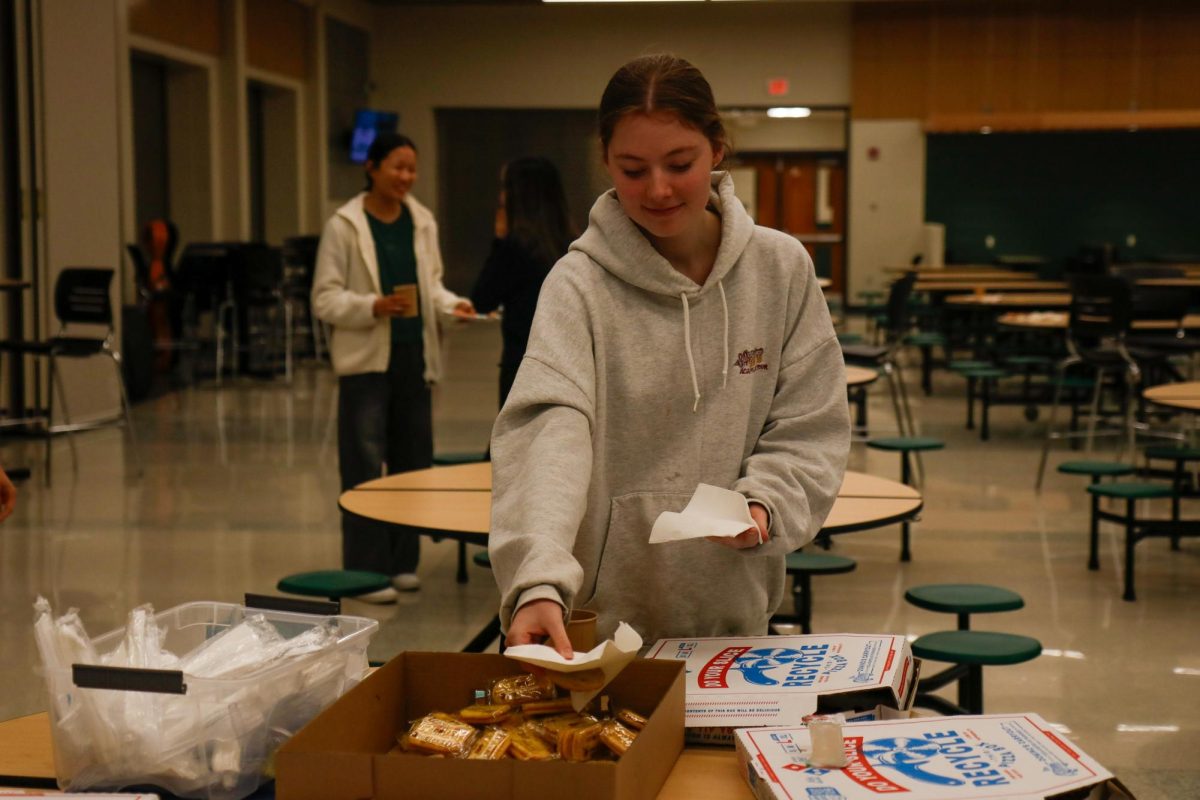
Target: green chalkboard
(1048, 194)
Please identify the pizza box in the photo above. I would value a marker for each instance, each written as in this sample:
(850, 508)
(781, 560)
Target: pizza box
(735, 682)
(1011, 756)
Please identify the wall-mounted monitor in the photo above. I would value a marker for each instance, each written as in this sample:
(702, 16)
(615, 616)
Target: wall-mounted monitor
(368, 123)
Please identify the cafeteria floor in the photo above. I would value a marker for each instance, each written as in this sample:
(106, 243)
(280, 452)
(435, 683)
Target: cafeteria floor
(240, 489)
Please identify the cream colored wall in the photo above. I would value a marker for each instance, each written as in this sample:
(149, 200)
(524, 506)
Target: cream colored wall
(80, 51)
(561, 56)
(887, 200)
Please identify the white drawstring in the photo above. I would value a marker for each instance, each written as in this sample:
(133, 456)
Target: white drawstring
(725, 308)
(687, 343)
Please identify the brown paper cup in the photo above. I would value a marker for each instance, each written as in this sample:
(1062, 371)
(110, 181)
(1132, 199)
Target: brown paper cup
(581, 629)
(407, 291)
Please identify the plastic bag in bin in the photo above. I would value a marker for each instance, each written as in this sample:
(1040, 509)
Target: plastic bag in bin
(194, 699)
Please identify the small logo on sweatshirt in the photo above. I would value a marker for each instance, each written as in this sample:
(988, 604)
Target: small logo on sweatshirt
(750, 361)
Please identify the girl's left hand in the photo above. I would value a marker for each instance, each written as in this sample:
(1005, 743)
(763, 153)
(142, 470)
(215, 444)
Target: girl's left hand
(751, 537)
(464, 310)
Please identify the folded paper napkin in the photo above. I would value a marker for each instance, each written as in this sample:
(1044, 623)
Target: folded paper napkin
(611, 656)
(712, 511)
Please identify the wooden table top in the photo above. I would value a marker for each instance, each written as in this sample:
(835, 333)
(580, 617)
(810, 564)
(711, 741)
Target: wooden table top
(936, 285)
(1171, 283)
(1047, 320)
(26, 751)
(824, 283)
(859, 376)
(968, 271)
(1015, 299)
(1185, 396)
(457, 501)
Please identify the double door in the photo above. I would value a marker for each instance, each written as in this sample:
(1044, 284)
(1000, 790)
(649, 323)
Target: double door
(805, 196)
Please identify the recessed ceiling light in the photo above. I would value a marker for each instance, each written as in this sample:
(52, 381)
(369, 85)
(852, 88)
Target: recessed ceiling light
(789, 112)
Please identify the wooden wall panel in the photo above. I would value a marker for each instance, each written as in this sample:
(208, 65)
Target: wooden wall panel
(278, 34)
(887, 44)
(924, 59)
(192, 24)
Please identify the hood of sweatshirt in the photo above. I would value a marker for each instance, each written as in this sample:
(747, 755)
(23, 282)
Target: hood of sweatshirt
(614, 242)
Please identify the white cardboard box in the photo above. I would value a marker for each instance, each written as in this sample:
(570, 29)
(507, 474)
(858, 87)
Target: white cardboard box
(778, 680)
(929, 758)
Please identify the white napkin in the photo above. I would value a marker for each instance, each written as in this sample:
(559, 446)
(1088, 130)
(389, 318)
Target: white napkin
(612, 656)
(712, 511)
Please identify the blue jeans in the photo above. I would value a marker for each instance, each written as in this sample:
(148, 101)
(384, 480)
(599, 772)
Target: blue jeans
(385, 425)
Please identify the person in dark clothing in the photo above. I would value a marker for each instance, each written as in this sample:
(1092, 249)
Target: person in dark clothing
(532, 232)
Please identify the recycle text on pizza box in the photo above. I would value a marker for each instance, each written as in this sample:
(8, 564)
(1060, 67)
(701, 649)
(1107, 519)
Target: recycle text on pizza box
(735, 682)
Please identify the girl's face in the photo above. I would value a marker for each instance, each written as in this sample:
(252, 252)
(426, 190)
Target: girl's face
(392, 178)
(660, 168)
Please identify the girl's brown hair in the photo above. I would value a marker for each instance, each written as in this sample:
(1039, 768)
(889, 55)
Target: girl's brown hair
(661, 82)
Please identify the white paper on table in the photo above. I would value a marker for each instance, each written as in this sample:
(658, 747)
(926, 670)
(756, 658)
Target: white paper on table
(611, 656)
(712, 511)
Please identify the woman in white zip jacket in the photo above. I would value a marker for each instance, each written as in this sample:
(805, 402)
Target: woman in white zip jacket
(676, 343)
(385, 346)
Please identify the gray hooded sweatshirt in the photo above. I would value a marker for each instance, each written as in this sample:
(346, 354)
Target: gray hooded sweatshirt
(638, 385)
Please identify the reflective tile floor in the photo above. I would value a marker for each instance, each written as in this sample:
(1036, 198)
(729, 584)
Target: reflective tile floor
(240, 486)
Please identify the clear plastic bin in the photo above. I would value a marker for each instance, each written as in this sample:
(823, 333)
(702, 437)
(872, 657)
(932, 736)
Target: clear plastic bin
(217, 738)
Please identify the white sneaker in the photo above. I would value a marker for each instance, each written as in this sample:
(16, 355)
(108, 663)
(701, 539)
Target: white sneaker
(381, 597)
(406, 582)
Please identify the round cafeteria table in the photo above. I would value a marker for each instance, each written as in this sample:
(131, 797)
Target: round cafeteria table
(1183, 396)
(987, 284)
(1057, 320)
(455, 502)
(1012, 300)
(860, 376)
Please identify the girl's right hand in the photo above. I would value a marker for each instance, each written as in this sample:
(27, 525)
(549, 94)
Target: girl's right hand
(537, 621)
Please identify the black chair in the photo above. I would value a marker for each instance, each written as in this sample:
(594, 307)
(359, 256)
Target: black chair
(1101, 306)
(81, 298)
(204, 275)
(884, 356)
(299, 267)
(261, 308)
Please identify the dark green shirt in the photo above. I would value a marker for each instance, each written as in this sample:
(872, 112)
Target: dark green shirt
(397, 265)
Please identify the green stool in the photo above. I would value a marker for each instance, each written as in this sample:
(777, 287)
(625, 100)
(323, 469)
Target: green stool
(334, 583)
(849, 338)
(926, 341)
(482, 559)
(802, 566)
(905, 445)
(964, 599)
(1097, 470)
(969, 652)
(1130, 492)
(985, 378)
(1182, 480)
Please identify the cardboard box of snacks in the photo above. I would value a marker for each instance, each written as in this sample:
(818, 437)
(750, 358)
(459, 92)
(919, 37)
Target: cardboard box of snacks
(1011, 756)
(350, 750)
(736, 682)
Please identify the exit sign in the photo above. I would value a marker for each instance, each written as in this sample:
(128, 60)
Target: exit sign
(777, 87)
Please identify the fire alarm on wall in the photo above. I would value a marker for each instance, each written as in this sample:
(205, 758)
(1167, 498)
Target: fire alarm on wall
(872, 153)
(777, 87)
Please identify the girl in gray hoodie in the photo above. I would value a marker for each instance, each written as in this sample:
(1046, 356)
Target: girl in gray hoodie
(675, 344)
